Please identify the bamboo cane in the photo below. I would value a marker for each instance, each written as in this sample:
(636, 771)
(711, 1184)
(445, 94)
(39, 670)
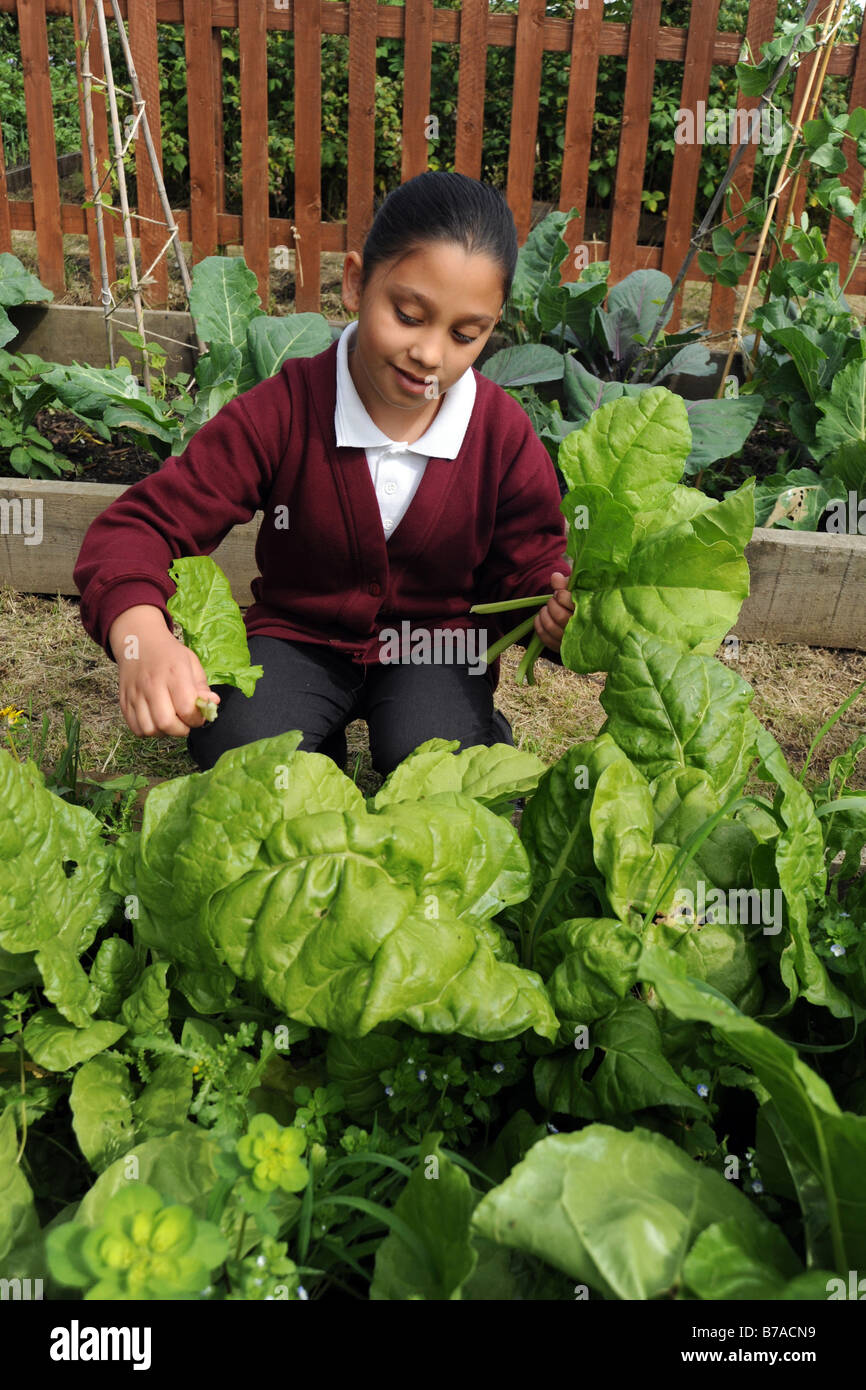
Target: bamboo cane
(121, 186)
(87, 93)
(140, 104)
(783, 177)
(836, 19)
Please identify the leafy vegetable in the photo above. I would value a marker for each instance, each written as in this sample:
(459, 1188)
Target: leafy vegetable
(212, 625)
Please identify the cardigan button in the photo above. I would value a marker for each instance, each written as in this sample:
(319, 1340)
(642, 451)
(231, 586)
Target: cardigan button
(374, 588)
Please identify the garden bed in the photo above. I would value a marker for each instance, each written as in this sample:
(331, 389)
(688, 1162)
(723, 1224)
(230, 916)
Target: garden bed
(805, 586)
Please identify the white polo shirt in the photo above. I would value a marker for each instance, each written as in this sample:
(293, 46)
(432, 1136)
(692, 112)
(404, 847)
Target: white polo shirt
(396, 467)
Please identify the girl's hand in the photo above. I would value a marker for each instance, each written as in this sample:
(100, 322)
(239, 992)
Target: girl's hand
(550, 622)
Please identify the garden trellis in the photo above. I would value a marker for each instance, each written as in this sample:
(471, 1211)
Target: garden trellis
(92, 27)
(530, 32)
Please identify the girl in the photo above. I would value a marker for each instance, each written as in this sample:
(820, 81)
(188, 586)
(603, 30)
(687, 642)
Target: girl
(399, 487)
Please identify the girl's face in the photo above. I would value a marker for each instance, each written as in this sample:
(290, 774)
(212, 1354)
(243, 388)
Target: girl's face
(422, 321)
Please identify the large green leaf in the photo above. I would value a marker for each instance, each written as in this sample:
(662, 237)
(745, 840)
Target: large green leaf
(211, 622)
(800, 871)
(685, 584)
(270, 867)
(21, 1250)
(632, 310)
(54, 893)
(623, 846)
(539, 261)
(589, 965)
(17, 285)
(57, 1045)
(435, 1207)
(585, 393)
(523, 364)
(180, 1166)
(163, 1104)
(556, 835)
(830, 1143)
(633, 1073)
(101, 1103)
(732, 1262)
(684, 799)
(720, 428)
(668, 709)
(635, 448)
(573, 305)
(224, 299)
(493, 776)
(272, 341)
(616, 1211)
(843, 411)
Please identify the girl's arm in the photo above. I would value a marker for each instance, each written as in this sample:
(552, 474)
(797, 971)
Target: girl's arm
(186, 508)
(528, 545)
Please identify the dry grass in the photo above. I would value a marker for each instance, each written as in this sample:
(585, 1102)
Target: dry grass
(49, 664)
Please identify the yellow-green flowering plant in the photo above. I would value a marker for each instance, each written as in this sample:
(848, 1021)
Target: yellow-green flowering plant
(142, 1249)
(273, 1154)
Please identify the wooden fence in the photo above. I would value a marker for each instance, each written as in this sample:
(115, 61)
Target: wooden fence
(530, 32)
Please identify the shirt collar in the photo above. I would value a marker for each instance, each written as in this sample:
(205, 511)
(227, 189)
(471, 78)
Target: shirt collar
(354, 428)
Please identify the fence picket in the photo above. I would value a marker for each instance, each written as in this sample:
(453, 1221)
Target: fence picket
(5, 221)
(579, 119)
(201, 125)
(640, 71)
(528, 51)
(308, 154)
(253, 45)
(697, 72)
(33, 32)
(362, 121)
(418, 58)
(471, 82)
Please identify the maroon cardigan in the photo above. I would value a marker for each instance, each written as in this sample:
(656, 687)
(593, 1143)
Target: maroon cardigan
(483, 526)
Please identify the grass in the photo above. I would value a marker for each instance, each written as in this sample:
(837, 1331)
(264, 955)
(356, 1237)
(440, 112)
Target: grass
(49, 665)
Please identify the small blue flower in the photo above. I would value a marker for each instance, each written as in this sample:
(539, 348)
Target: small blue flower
(422, 1075)
(552, 1128)
(836, 949)
(389, 1090)
(757, 1185)
(498, 1067)
(702, 1090)
(302, 1292)
(843, 914)
(261, 1261)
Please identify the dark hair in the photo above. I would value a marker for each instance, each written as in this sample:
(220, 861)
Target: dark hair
(440, 206)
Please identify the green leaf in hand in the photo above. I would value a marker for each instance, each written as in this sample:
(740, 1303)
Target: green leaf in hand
(212, 625)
